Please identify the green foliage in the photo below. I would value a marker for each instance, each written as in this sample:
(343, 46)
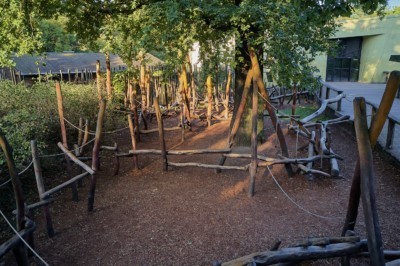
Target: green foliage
(55, 38)
(31, 113)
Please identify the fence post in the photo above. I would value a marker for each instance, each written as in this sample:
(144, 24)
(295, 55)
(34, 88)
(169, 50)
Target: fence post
(327, 92)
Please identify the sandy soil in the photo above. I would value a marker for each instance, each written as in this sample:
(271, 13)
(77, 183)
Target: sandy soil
(193, 216)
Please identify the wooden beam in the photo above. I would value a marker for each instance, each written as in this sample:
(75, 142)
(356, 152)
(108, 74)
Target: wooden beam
(210, 166)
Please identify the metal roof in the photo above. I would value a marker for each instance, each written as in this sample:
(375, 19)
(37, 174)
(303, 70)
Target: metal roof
(54, 62)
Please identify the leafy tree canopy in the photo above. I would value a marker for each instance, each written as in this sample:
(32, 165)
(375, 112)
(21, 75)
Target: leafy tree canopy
(290, 31)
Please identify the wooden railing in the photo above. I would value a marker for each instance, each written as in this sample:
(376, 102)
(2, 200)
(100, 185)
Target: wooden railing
(328, 89)
(392, 121)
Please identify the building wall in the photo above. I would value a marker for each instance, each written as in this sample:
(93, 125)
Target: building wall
(381, 38)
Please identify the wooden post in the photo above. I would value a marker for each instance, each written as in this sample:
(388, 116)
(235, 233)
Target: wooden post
(64, 139)
(184, 88)
(61, 76)
(108, 77)
(69, 75)
(375, 245)
(227, 93)
(327, 93)
(183, 121)
(98, 80)
(133, 139)
(85, 137)
(339, 103)
(80, 131)
(209, 98)
(161, 134)
(377, 124)
(19, 251)
(254, 118)
(41, 188)
(95, 154)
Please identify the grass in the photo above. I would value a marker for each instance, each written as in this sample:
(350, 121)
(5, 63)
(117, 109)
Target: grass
(304, 111)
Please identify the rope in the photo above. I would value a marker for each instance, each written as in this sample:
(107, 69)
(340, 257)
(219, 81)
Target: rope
(79, 129)
(298, 205)
(94, 133)
(59, 154)
(5, 183)
(23, 240)
(23, 171)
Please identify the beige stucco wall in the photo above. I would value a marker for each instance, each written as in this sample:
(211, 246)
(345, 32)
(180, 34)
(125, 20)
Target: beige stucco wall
(381, 38)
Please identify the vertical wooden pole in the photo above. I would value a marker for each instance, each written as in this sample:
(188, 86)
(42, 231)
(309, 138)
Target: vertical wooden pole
(209, 98)
(135, 109)
(148, 88)
(98, 80)
(183, 121)
(96, 153)
(108, 77)
(69, 75)
(85, 137)
(64, 139)
(80, 131)
(161, 134)
(227, 93)
(185, 90)
(19, 250)
(254, 119)
(375, 245)
(133, 139)
(310, 176)
(41, 188)
(377, 124)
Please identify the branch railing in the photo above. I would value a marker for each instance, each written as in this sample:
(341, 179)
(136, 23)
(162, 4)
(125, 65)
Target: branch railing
(325, 93)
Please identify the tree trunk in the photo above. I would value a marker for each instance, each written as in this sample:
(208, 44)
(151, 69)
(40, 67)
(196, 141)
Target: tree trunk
(227, 93)
(268, 106)
(108, 73)
(98, 80)
(209, 99)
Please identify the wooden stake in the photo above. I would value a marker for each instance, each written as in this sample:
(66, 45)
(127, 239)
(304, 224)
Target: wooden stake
(19, 251)
(161, 134)
(98, 80)
(108, 77)
(209, 98)
(41, 188)
(227, 93)
(133, 140)
(375, 245)
(254, 118)
(95, 154)
(74, 188)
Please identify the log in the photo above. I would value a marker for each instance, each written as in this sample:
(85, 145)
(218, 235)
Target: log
(297, 254)
(95, 153)
(210, 166)
(75, 159)
(29, 228)
(324, 104)
(375, 244)
(323, 139)
(254, 118)
(209, 97)
(323, 241)
(334, 166)
(311, 154)
(36, 205)
(338, 120)
(199, 151)
(312, 171)
(110, 148)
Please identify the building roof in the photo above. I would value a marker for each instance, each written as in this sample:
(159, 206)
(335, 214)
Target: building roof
(56, 62)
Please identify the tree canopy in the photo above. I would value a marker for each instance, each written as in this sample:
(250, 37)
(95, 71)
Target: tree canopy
(291, 32)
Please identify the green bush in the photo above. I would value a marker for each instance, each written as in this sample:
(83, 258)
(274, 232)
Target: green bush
(31, 113)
